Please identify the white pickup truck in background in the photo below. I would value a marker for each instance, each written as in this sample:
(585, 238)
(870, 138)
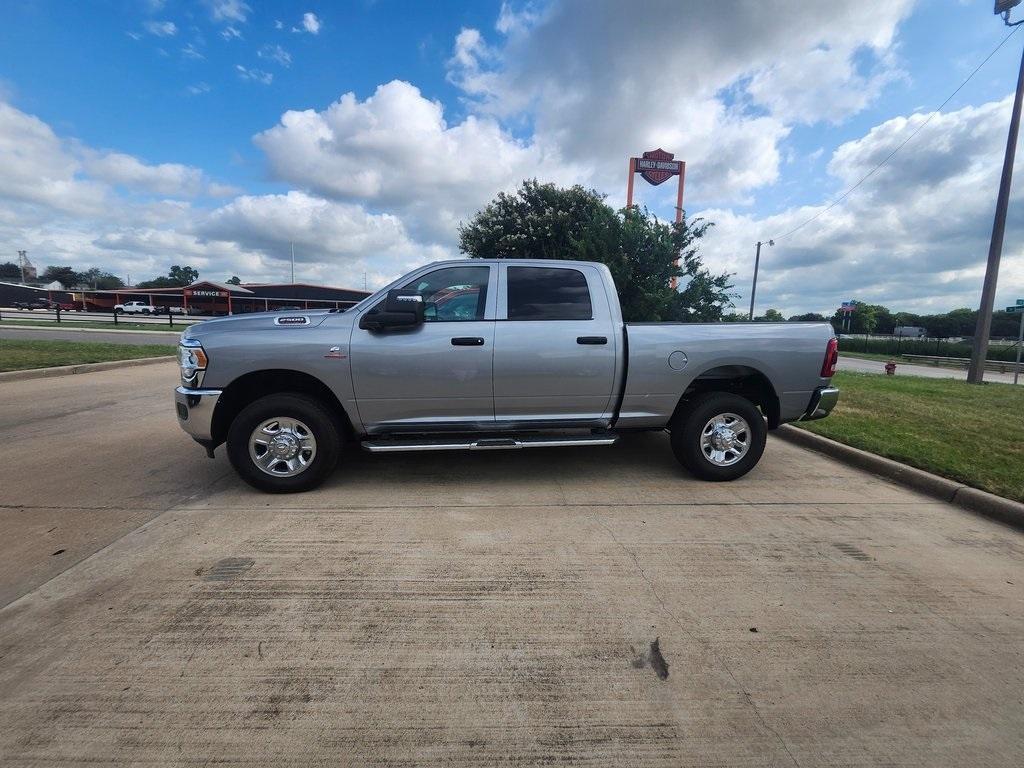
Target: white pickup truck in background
(142, 308)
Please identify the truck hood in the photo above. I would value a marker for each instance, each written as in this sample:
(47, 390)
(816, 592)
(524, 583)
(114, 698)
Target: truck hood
(257, 321)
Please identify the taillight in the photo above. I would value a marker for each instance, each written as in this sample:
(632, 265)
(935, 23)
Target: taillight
(828, 368)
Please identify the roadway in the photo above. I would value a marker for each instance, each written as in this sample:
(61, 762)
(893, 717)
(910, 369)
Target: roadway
(483, 608)
(909, 369)
(90, 335)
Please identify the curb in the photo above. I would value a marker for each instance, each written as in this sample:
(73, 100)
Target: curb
(69, 370)
(69, 327)
(977, 501)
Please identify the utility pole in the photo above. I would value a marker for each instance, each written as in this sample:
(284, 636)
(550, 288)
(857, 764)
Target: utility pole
(757, 263)
(293, 262)
(22, 256)
(979, 350)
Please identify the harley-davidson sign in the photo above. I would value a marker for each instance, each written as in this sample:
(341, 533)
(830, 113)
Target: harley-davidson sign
(657, 166)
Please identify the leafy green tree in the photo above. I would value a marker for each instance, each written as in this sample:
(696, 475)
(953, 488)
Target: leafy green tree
(771, 316)
(543, 221)
(808, 317)
(234, 280)
(183, 275)
(101, 280)
(10, 271)
(67, 276)
(178, 277)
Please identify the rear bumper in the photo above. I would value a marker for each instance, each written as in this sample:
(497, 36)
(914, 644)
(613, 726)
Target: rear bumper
(822, 402)
(195, 411)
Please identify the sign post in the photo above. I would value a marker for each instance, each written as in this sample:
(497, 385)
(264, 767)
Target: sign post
(658, 166)
(1019, 309)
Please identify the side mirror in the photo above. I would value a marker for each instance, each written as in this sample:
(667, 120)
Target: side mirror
(403, 308)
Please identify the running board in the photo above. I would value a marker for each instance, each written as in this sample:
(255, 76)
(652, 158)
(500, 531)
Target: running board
(487, 443)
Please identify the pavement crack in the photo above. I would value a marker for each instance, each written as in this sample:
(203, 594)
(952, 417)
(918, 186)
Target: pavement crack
(695, 639)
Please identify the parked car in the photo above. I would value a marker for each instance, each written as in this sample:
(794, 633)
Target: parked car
(66, 306)
(34, 304)
(492, 355)
(134, 308)
(164, 310)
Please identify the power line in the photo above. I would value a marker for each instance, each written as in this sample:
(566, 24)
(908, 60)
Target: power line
(902, 144)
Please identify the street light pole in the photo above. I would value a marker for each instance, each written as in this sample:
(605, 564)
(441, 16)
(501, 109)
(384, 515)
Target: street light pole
(757, 263)
(979, 350)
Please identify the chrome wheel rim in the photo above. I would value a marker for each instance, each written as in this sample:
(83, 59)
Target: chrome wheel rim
(282, 447)
(725, 439)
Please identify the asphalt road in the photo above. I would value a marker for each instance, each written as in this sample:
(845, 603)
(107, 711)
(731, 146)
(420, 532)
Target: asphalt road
(484, 608)
(97, 336)
(910, 369)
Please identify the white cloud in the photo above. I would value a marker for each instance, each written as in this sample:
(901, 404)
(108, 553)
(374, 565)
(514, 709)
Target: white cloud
(190, 52)
(231, 33)
(228, 10)
(914, 236)
(599, 82)
(198, 88)
(310, 24)
(254, 75)
(161, 28)
(396, 151)
(277, 54)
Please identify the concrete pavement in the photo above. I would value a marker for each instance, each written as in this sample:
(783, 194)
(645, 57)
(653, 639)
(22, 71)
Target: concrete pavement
(485, 608)
(928, 371)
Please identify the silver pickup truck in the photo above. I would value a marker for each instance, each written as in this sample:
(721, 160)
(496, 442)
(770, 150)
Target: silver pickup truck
(492, 355)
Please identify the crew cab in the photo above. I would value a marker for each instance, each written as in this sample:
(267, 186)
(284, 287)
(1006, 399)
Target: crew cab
(134, 308)
(492, 354)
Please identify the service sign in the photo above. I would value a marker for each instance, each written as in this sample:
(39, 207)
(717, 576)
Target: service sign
(207, 293)
(657, 166)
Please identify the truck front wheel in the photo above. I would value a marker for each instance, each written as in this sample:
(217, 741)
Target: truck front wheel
(719, 436)
(284, 443)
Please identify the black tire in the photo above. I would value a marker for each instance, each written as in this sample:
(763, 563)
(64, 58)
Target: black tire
(305, 409)
(688, 429)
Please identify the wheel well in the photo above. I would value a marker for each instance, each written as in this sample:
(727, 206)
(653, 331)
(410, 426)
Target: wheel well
(252, 386)
(740, 380)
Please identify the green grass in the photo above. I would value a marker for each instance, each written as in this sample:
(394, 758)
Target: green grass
(18, 355)
(969, 433)
(122, 325)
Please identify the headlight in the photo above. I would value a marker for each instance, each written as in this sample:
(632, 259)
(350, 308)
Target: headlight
(192, 360)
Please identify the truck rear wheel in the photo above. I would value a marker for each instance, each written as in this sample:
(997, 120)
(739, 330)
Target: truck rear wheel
(720, 436)
(284, 443)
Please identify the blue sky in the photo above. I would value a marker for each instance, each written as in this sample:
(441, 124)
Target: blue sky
(215, 132)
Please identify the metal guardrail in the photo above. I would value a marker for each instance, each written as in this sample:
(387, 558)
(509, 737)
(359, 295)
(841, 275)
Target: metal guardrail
(113, 319)
(999, 366)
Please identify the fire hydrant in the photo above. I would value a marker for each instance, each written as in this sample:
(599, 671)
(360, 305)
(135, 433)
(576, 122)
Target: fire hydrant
(890, 368)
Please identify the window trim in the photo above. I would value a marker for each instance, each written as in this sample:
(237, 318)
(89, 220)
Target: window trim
(490, 299)
(503, 289)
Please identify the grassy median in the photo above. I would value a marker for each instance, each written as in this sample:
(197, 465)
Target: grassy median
(19, 355)
(968, 433)
(104, 325)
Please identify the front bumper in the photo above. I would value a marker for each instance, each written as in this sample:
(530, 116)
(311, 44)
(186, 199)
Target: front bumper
(822, 402)
(195, 411)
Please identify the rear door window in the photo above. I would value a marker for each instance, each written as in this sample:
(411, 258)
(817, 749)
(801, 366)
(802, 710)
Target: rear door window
(548, 293)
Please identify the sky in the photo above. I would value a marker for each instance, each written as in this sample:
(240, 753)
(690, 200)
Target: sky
(136, 134)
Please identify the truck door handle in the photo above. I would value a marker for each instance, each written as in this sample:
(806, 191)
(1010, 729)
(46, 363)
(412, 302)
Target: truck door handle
(591, 339)
(467, 341)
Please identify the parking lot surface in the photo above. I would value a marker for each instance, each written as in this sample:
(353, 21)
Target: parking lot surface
(583, 606)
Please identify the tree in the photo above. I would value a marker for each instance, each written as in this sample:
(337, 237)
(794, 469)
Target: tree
(183, 275)
(234, 280)
(543, 221)
(101, 280)
(808, 317)
(178, 277)
(67, 276)
(771, 316)
(10, 271)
